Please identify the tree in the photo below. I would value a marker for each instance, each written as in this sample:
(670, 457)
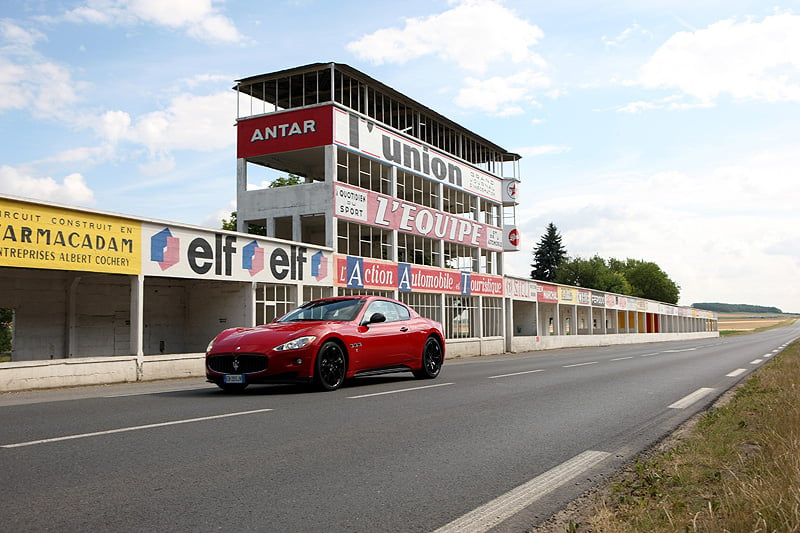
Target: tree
(253, 229)
(647, 280)
(283, 181)
(6, 319)
(592, 273)
(230, 224)
(548, 255)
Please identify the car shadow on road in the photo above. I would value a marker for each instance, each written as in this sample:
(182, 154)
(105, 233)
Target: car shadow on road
(293, 389)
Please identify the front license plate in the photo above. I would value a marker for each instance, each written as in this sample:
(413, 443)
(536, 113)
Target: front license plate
(233, 378)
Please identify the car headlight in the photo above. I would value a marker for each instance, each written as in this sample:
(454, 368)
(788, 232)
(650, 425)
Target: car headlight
(294, 344)
(210, 345)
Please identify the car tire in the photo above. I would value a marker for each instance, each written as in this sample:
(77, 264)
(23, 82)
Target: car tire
(432, 359)
(232, 387)
(330, 368)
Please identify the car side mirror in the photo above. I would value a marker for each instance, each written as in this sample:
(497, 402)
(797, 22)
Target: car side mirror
(374, 319)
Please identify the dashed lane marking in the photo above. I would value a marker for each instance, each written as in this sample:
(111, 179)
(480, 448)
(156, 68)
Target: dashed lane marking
(398, 391)
(132, 428)
(516, 374)
(689, 399)
(496, 511)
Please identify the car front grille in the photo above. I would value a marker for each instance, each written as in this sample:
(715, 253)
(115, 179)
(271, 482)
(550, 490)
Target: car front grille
(239, 363)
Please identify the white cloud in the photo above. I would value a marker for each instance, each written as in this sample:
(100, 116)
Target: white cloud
(190, 123)
(626, 35)
(30, 81)
(474, 34)
(502, 95)
(71, 189)
(199, 18)
(214, 220)
(726, 234)
(747, 60)
(482, 37)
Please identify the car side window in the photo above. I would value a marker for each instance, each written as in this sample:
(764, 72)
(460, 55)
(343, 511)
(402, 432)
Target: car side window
(402, 312)
(388, 309)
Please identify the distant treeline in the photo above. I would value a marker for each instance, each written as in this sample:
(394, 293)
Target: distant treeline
(736, 308)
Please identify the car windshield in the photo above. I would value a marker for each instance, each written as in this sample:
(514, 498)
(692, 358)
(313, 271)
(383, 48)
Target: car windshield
(335, 310)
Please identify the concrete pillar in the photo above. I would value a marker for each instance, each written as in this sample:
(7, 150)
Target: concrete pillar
(137, 319)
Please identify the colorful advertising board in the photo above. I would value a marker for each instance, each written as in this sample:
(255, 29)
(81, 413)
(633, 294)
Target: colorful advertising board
(584, 297)
(40, 236)
(355, 132)
(521, 289)
(510, 191)
(285, 131)
(198, 254)
(369, 207)
(510, 238)
(598, 299)
(567, 295)
(546, 293)
(365, 273)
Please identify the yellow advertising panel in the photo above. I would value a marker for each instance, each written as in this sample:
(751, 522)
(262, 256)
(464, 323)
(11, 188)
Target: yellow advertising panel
(40, 236)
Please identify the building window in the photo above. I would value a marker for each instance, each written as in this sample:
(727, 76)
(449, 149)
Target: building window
(488, 262)
(492, 317)
(363, 172)
(310, 292)
(416, 189)
(343, 291)
(417, 249)
(426, 304)
(458, 203)
(273, 301)
(489, 213)
(364, 241)
(459, 256)
(461, 316)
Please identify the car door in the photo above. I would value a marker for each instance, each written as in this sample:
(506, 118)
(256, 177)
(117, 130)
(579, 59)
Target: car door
(383, 343)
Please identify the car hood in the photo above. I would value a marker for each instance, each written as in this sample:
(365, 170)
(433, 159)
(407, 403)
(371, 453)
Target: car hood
(264, 338)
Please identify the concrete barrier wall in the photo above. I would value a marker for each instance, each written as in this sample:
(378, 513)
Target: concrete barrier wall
(530, 344)
(67, 372)
(107, 370)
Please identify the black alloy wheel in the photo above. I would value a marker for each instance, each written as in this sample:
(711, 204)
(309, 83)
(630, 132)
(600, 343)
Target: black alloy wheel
(431, 360)
(331, 366)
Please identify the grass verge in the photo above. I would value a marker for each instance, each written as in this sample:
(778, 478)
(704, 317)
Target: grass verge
(739, 470)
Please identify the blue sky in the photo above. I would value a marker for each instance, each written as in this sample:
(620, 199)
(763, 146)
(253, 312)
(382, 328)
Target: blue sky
(662, 130)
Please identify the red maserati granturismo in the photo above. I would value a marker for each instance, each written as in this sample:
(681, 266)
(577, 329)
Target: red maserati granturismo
(326, 342)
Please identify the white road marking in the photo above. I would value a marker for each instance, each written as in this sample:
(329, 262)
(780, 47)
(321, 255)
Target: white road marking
(398, 390)
(496, 511)
(622, 358)
(683, 350)
(756, 361)
(132, 428)
(580, 364)
(737, 372)
(649, 354)
(516, 374)
(688, 400)
(768, 355)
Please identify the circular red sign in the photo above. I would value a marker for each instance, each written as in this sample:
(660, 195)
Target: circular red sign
(513, 237)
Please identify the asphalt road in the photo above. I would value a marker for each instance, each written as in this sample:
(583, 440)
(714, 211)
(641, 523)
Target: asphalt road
(495, 443)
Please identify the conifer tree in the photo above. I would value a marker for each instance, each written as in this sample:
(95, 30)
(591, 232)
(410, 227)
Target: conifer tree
(548, 255)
